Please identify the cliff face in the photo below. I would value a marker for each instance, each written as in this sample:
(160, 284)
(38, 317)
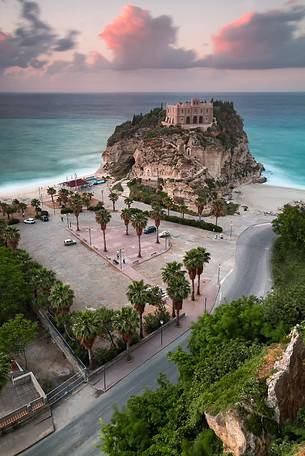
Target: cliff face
(185, 161)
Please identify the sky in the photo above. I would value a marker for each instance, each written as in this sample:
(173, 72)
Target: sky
(152, 45)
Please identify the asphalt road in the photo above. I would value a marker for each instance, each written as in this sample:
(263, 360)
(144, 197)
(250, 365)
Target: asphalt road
(252, 276)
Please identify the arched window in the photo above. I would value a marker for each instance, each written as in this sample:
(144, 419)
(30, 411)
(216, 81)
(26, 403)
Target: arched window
(194, 119)
(200, 119)
(188, 120)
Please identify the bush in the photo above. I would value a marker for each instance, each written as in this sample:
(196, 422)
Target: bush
(97, 207)
(66, 210)
(152, 321)
(13, 221)
(117, 187)
(191, 222)
(103, 355)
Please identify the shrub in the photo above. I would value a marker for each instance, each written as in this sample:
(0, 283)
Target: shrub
(152, 321)
(191, 222)
(66, 210)
(13, 221)
(117, 187)
(103, 355)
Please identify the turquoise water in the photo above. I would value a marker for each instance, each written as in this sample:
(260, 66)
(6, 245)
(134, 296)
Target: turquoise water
(48, 137)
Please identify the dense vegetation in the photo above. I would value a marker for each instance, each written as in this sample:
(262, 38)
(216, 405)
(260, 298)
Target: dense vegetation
(227, 350)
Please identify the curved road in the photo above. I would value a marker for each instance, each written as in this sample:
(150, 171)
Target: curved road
(251, 276)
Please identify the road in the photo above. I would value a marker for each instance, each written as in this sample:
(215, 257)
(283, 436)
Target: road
(80, 436)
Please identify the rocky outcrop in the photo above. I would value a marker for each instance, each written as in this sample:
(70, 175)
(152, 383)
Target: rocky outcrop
(185, 161)
(286, 387)
(283, 370)
(231, 429)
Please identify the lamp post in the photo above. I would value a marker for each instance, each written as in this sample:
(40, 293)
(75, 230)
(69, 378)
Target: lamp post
(231, 229)
(102, 192)
(205, 305)
(89, 235)
(161, 332)
(218, 275)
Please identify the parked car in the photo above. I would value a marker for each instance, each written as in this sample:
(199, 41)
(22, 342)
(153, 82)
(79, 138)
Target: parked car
(44, 218)
(150, 229)
(69, 242)
(29, 221)
(164, 234)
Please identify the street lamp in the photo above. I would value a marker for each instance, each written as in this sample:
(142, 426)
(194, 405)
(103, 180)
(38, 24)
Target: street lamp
(231, 229)
(218, 275)
(161, 333)
(89, 235)
(205, 305)
(102, 192)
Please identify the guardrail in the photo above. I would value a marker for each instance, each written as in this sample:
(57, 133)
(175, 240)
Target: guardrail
(64, 389)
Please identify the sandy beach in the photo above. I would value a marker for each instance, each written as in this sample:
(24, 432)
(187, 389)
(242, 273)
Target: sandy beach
(258, 197)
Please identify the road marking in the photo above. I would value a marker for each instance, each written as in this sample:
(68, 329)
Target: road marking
(226, 276)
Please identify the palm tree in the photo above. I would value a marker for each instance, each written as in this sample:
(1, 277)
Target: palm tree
(178, 290)
(128, 201)
(218, 209)
(42, 280)
(126, 215)
(203, 258)
(10, 210)
(168, 273)
(52, 191)
(87, 197)
(113, 196)
(61, 298)
(200, 204)
(76, 204)
(138, 294)
(105, 318)
(5, 366)
(35, 203)
(167, 202)
(103, 217)
(139, 221)
(85, 328)
(126, 322)
(12, 237)
(191, 261)
(63, 196)
(156, 214)
(182, 209)
(15, 204)
(22, 207)
(3, 207)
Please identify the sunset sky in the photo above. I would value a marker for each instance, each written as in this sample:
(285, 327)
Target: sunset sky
(156, 45)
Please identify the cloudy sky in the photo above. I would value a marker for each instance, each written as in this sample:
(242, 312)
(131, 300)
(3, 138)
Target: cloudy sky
(152, 45)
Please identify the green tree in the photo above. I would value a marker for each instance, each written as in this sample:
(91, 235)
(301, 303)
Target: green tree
(192, 261)
(139, 222)
(167, 202)
(218, 209)
(126, 216)
(86, 198)
(128, 201)
(63, 196)
(182, 209)
(5, 366)
(12, 237)
(103, 217)
(76, 204)
(61, 298)
(42, 280)
(85, 328)
(203, 258)
(35, 203)
(3, 226)
(105, 318)
(113, 196)
(290, 224)
(22, 208)
(52, 192)
(156, 214)
(138, 294)
(168, 273)
(16, 335)
(178, 290)
(126, 322)
(200, 202)
(10, 210)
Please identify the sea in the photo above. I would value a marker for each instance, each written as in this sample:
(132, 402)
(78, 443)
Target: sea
(48, 138)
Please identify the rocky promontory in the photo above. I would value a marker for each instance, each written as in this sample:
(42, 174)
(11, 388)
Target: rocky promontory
(184, 162)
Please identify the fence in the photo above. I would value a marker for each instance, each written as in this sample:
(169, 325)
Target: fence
(64, 389)
(22, 414)
(62, 343)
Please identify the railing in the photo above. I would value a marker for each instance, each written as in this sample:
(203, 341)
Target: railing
(62, 343)
(64, 389)
(22, 413)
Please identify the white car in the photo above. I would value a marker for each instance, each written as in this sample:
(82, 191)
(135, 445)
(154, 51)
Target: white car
(69, 242)
(29, 221)
(164, 234)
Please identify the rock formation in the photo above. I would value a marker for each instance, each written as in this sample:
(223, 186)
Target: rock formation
(284, 372)
(184, 161)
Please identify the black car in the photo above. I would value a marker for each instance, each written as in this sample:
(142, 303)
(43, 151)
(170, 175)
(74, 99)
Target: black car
(150, 229)
(44, 218)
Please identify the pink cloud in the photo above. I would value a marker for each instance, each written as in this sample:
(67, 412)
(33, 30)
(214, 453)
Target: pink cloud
(222, 41)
